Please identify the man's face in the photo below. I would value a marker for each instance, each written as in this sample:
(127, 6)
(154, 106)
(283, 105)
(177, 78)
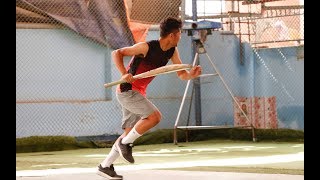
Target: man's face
(176, 36)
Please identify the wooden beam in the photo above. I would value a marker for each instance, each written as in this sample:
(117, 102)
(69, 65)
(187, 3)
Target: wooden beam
(25, 25)
(24, 12)
(246, 2)
(23, 15)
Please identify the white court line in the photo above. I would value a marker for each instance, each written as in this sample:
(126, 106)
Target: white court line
(219, 162)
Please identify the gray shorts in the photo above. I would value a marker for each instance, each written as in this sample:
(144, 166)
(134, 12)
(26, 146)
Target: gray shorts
(134, 107)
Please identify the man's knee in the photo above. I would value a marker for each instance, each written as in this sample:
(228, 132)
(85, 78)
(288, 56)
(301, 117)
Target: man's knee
(156, 117)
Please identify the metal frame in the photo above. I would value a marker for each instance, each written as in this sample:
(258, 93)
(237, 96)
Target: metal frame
(201, 50)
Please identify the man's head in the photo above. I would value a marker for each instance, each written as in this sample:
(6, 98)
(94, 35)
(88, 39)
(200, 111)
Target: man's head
(171, 27)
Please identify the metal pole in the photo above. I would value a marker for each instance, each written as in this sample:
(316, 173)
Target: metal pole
(234, 99)
(194, 10)
(197, 92)
(175, 141)
(183, 10)
(196, 81)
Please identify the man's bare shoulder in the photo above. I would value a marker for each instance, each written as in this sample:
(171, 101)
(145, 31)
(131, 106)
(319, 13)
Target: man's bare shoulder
(142, 47)
(138, 48)
(141, 44)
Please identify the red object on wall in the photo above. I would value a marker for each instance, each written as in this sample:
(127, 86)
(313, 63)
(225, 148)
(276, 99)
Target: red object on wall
(261, 111)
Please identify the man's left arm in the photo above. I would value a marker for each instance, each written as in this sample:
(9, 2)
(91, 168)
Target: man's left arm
(184, 74)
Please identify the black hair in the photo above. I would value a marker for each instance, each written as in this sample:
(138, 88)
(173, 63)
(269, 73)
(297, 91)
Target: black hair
(170, 25)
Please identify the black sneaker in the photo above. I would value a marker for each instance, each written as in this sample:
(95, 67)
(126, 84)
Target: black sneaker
(108, 172)
(125, 151)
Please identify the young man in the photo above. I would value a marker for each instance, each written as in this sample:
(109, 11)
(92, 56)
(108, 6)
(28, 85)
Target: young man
(139, 114)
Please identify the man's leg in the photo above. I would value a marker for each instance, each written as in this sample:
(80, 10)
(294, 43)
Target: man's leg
(141, 127)
(106, 168)
(140, 115)
(114, 153)
(112, 156)
(125, 144)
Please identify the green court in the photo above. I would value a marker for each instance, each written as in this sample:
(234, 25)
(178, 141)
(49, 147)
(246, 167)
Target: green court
(212, 156)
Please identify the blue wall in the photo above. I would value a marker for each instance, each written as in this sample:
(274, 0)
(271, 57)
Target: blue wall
(283, 77)
(60, 77)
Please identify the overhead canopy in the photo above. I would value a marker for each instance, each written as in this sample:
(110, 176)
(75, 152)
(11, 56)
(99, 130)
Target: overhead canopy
(113, 23)
(103, 21)
(153, 11)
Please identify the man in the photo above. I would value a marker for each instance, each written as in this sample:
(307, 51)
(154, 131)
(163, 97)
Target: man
(139, 114)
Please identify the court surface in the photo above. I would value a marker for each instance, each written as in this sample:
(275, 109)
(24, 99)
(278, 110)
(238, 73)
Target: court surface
(207, 160)
(89, 174)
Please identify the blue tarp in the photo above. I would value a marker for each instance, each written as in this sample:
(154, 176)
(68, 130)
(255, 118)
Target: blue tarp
(103, 21)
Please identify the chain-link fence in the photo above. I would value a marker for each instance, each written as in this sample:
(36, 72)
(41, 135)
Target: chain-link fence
(63, 59)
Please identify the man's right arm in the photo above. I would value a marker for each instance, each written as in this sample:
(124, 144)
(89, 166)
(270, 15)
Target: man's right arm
(118, 54)
(117, 57)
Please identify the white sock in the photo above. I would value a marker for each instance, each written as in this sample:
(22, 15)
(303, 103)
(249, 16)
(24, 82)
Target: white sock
(112, 156)
(131, 137)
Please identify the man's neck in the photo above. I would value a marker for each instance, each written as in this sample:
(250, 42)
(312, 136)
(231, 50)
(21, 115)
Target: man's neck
(164, 44)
